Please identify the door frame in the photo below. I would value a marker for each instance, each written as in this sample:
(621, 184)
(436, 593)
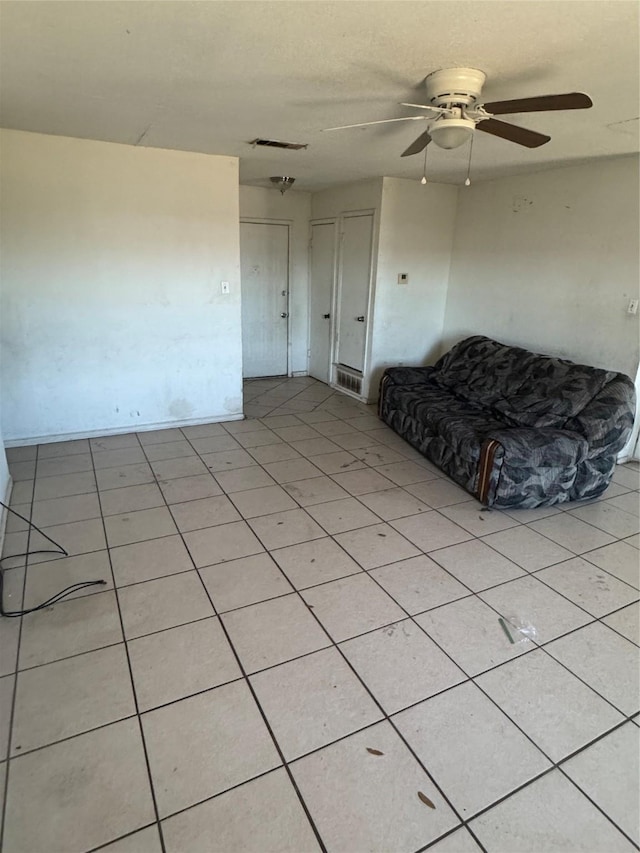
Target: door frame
(368, 337)
(257, 220)
(330, 220)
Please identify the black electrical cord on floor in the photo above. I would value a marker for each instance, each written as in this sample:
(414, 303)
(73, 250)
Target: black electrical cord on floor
(54, 598)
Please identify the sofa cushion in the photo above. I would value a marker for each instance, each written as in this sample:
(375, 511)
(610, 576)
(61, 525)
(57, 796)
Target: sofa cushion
(520, 387)
(462, 425)
(453, 371)
(554, 391)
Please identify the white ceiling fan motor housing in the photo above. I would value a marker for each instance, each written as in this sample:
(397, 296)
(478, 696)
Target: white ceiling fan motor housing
(449, 86)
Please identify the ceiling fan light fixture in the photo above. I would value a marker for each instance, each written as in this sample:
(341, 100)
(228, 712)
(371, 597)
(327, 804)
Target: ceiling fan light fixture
(283, 183)
(452, 132)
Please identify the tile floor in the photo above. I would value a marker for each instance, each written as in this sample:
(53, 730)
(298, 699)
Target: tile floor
(299, 634)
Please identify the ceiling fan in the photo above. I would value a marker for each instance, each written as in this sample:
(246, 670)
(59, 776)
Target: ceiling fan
(454, 111)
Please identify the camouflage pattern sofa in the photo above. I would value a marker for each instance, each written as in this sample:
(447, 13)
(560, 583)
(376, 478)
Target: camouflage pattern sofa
(515, 429)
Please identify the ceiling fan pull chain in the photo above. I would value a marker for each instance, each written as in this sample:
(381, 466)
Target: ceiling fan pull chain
(467, 183)
(424, 170)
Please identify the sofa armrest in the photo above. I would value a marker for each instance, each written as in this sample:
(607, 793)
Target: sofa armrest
(607, 420)
(540, 448)
(408, 375)
(522, 466)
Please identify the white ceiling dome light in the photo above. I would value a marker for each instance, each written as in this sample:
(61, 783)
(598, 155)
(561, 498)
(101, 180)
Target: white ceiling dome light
(452, 132)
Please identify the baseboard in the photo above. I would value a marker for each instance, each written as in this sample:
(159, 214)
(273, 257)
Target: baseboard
(99, 433)
(300, 373)
(3, 517)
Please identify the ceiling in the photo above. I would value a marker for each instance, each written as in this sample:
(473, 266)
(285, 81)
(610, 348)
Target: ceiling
(211, 76)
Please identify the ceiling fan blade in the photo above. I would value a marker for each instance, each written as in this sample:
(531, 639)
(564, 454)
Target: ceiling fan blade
(383, 121)
(419, 145)
(570, 101)
(425, 107)
(513, 133)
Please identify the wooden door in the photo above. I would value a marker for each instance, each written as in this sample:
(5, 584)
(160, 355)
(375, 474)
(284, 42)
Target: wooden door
(322, 273)
(264, 269)
(354, 284)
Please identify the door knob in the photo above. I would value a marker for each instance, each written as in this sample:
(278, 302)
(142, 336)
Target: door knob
(360, 319)
(326, 316)
(284, 314)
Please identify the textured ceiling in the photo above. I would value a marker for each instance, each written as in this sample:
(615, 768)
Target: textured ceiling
(210, 76)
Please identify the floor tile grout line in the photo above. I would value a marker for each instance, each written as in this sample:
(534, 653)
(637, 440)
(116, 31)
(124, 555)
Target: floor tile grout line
(202, 802)
(306, 654)
(533, 574)
(132, 683)
(385, 716)
(443, 837)
(537, 645)
(331, 743)
(427, 554)
(356, 497)
(76, 654)
(121, 837)
(435, 508)
(435, 551)
(3, 816)
(595, 566)
(554, 766)
(580, 678)
(558, 765)
(471, 678)
(472, 592)
(597, 806)
(265, 720)
(67, 738)
(255, 699)
(519, 565)
(316, 383)
(576, 604)
(599, 501)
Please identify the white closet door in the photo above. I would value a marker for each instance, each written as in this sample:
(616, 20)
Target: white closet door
(355, 277)
(264, 269)
(322, 268)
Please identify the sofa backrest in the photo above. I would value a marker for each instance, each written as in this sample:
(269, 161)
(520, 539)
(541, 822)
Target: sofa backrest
(521, 387)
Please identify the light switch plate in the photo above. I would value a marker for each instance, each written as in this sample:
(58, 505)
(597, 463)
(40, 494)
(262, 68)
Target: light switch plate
(403, 278)
(224, 287)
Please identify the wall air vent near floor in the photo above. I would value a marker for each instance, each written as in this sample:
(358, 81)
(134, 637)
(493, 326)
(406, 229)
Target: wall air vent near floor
(349, 379)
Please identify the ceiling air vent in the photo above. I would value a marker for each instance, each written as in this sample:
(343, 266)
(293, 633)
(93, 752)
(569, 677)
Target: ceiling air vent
(274, 143)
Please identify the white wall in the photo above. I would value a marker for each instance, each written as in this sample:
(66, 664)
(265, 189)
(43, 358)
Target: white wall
(5, 480)
(416, 237)
(111, 263)
(295, 207)
(5, 483)
(549, 262)
(414, 234)
(363, 195)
